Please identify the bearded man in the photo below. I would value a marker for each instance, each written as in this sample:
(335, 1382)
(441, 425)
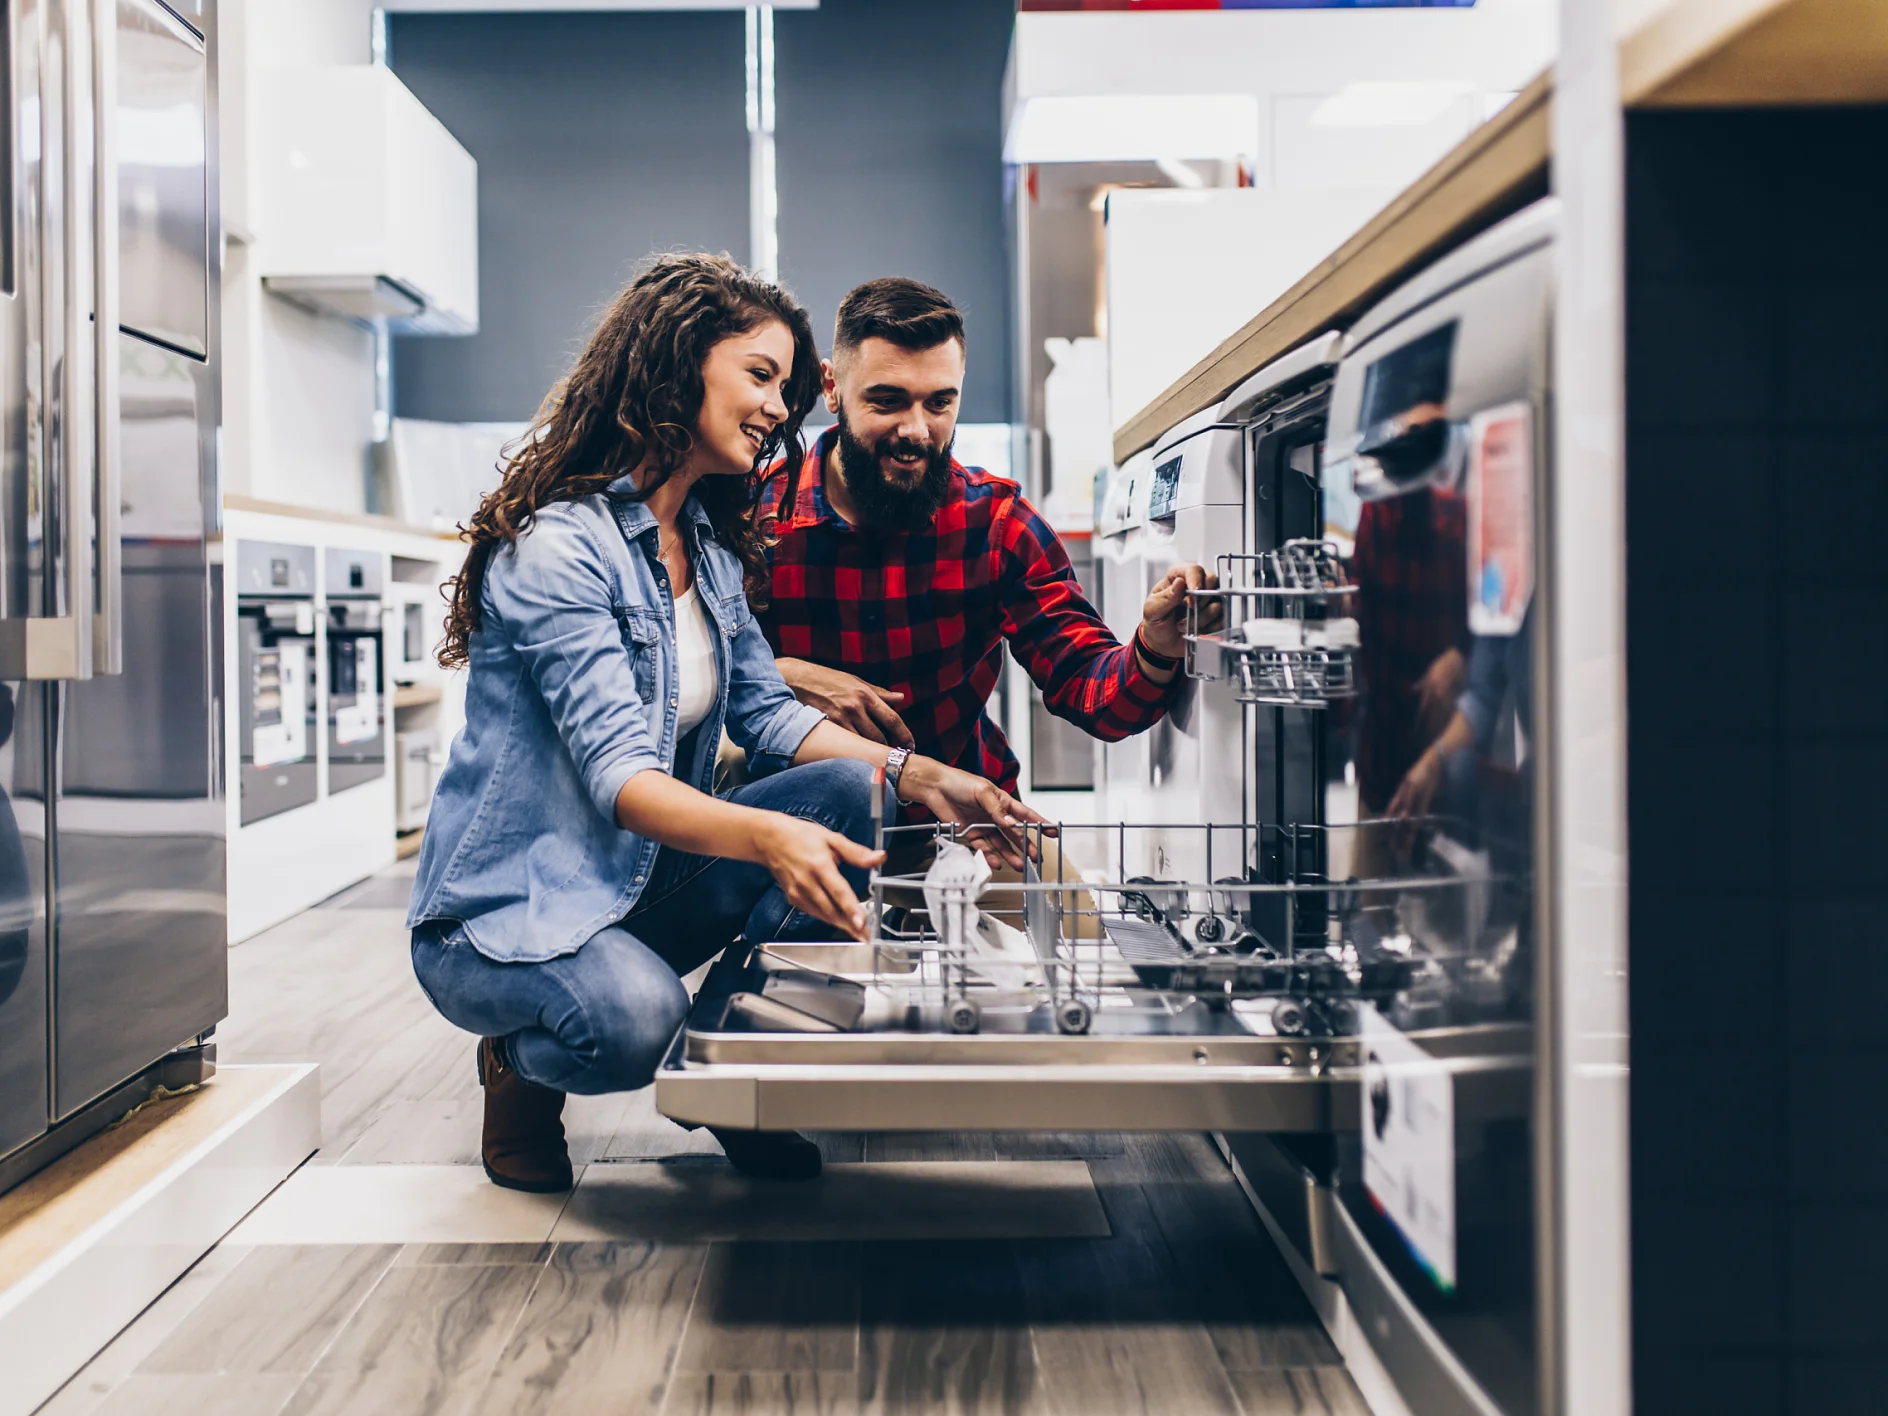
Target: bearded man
(899, 573)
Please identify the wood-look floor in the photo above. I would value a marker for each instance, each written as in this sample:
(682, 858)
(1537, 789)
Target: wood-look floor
(1186, 1307)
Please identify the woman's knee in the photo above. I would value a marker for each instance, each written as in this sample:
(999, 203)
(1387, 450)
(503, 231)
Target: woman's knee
(631, 1021)
(844, 787)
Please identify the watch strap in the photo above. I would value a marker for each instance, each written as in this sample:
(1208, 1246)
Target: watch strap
(895, 769)
(1153, 656)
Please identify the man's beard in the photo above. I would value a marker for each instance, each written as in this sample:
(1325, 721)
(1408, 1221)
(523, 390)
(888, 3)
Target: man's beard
(881, 504)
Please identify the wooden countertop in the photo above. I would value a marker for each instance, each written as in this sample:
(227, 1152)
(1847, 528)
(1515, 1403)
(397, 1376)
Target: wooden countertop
(234, 502)
(1692, 53)
(1745, 53)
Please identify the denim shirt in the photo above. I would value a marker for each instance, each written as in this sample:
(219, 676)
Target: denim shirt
(571, 692)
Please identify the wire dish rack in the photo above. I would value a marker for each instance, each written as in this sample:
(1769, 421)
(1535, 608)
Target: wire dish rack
(1276, 627)
(1276, 935)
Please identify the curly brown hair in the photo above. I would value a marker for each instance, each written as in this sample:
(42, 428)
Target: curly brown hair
(633, 400)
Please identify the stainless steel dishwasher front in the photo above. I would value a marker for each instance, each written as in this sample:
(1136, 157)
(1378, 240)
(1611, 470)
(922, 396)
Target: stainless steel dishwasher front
(1127, 1081)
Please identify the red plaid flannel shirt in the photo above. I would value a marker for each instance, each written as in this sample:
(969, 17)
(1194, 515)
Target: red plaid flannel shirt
(925, 614)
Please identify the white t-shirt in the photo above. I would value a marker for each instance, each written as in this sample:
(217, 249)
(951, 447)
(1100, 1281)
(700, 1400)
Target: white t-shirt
(697, 675)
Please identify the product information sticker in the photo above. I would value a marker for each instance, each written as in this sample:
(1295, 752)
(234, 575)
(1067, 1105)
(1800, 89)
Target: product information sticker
(361, 721)
(278, 693)
(1409, 1144)
(1500, 518)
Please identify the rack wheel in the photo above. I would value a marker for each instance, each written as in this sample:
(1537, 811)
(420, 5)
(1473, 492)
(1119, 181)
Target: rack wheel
(1073, 1016)
(1209, 929)
(963, 1016)
(1288, 1018)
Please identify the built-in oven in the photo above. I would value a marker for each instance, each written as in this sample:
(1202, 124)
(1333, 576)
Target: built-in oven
(357, 695)
(275, 629)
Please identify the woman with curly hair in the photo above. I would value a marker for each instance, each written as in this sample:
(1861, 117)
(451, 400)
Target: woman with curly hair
(576, 863)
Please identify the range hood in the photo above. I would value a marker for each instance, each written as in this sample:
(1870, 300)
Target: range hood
(369, 207)
(370, 299)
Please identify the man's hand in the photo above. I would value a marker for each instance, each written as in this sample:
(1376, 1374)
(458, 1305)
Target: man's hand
(1416, 793)
(1164, 616)
(995, 818)
(850, 702)
(1439, 687)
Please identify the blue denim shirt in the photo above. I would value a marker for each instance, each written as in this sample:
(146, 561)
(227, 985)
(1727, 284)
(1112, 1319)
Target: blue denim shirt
(572, 692)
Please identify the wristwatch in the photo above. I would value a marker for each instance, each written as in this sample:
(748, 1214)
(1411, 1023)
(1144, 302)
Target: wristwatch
(895, 768)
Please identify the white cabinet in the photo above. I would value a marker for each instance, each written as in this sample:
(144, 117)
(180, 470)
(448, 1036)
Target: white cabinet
(369, 207)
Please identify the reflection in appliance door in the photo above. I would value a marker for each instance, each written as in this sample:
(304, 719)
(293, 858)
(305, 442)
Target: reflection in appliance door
(25, 1057)
(141, 934)
(16, 896)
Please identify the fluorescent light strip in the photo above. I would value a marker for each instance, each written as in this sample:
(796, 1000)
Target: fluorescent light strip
(1145, 127)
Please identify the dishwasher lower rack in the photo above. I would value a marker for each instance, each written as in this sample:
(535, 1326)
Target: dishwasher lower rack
(1284, 928)
(1271, 934)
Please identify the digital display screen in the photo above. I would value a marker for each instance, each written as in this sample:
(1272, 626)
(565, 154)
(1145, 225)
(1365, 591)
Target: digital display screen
(1409, 377)
(1165, 490)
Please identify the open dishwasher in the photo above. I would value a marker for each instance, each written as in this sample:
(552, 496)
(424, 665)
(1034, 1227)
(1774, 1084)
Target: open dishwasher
(1076, 999)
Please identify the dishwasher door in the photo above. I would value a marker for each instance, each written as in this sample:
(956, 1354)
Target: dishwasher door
(1194, 1071)
(1197, 1070)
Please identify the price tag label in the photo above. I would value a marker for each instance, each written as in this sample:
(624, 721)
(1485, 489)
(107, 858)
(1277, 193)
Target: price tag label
(1409, 1144)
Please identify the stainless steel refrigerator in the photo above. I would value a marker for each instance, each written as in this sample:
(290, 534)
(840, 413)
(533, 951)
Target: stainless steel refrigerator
(112, 892)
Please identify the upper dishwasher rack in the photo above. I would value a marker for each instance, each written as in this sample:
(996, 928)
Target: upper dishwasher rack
(1276, 626)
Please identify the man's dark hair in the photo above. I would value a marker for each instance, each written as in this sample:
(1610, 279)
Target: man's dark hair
(904, 312)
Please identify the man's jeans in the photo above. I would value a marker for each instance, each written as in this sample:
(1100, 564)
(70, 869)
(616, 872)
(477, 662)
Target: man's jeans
(600, 1020)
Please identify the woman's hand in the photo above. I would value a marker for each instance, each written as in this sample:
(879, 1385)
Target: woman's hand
(995, 818)
(1439, 687)
(1416, 793)
(804, 858)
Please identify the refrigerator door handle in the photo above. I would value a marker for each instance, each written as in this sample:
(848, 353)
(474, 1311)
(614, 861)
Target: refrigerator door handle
(57, 643)
(108, 628)
(64, 647)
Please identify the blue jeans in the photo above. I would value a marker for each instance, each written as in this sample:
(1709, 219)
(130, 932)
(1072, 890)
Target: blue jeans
(600, 1020)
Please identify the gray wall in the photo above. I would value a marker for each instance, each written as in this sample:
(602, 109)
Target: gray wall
(890, 152)
(599, 138)
(602, 137)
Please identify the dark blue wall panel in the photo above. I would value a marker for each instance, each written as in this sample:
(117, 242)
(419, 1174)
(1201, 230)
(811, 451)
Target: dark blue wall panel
(890, 151)
(602, 137)
(599, 138)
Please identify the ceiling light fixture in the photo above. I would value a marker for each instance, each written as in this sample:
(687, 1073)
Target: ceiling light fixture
(1133, 127)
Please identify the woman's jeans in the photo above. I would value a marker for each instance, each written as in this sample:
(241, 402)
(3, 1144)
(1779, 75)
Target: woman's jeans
(600, 1020)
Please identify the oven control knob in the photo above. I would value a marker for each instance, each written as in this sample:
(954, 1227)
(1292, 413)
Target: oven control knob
(963, 1016)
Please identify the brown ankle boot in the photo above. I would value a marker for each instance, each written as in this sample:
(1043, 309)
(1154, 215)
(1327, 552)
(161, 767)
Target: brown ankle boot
(523, 1143)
